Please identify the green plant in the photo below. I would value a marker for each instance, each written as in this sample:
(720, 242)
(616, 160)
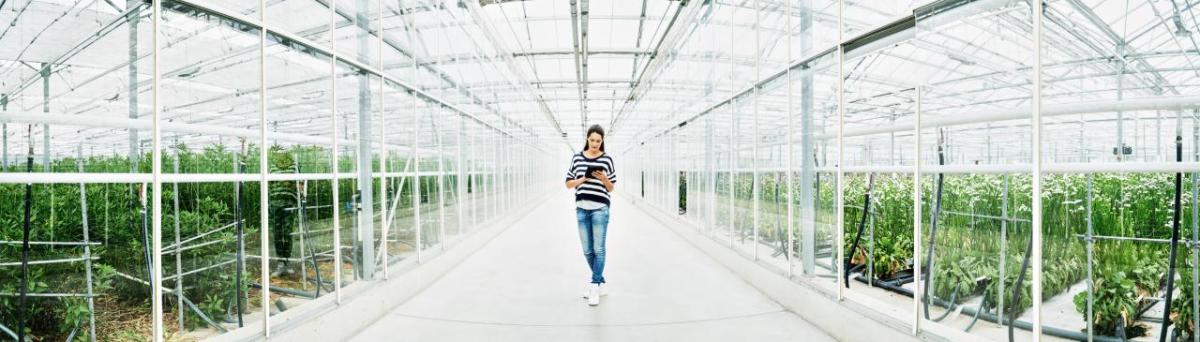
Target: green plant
(1182, 308)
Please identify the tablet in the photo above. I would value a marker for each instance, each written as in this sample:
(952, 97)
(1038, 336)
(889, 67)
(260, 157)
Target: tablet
(591, 170)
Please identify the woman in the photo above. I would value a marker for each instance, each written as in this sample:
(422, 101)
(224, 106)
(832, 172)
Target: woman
(592, 177)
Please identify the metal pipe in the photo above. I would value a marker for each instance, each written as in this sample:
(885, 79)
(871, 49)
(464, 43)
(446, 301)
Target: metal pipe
(25, 242)
(87, 250)
(241, 240)
(1090, 252)
(178, 251)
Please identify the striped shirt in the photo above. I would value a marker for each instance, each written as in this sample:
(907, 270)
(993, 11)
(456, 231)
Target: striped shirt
(591, 194)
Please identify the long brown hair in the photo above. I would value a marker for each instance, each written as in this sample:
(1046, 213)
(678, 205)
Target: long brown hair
(594, 129)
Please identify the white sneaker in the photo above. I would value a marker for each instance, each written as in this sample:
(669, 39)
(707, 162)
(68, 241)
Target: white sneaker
(593, 297)
(588, 289)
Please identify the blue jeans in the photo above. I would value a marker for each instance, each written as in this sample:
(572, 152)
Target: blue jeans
(593, 226)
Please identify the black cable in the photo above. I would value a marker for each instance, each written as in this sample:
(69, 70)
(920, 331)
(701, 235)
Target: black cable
(982, 305)
(862, 225)
(1166, 321)
(25, 242)
(933, 220)
(1016, 298)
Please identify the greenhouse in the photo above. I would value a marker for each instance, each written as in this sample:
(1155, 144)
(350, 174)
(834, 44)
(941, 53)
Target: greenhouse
(996, 170)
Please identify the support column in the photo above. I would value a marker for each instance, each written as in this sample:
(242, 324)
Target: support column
(460, 171)
(334, 161)
(45, 109)
(807, 156)
(366, 216)
(156, 289)
(789, 154)
(1036, 145)
(264, 200)
(4, 107)
(132, 22)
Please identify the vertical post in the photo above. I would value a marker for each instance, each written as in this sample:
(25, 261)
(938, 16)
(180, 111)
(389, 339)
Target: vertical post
(916, 323)
(156, 179)
(441, 188)
(264, 230)
(383, 146)
(333, 109)
(416, 160)
(790, 150)
(732, 130)
(473, 174)
(1036, 124)
(178, 244)
(496, 180)
(87, 250)
(366, 216)
(4, 107)
(133, 19)
(841, 175)
(1195, 222)
(754, 188)
(1004, 247)
(807, 156)
(45, 71)
(460, 171)
(1090, 284)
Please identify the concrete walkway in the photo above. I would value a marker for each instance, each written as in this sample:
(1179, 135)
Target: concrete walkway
(526, 285)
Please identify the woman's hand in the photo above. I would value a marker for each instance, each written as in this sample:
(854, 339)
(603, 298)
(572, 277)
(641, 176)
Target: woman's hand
(574, 183)
(603, 177)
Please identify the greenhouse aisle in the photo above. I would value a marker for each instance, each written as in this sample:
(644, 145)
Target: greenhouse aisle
(527, 284)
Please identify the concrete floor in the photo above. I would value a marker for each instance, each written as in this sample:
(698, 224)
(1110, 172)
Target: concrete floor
(526, 285)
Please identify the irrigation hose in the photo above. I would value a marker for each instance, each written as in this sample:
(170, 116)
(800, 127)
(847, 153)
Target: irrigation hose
(25, 245)
(933, 215)
(862, 225)
(949, 309)
(1016, 297)
(1162, 336)
(975, 319)
(1048, 330)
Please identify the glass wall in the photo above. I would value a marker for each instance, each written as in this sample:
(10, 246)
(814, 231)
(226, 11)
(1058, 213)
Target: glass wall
(266, 170)
(989, 185)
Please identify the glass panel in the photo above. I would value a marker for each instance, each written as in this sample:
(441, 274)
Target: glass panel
(1114, 230)
(976, 236)
(212, 230)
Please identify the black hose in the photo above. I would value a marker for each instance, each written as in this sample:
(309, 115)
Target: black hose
(933, 220)
(303, 201)
(1174, 240)
(949, 309)
(241, 242)
(982, 305)
(25, 245)
(1016, 297)
(285, 290)
(862, 225)
(1048, 330)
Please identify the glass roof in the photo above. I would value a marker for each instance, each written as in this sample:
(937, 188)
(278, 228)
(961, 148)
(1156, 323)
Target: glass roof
(545, 68)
